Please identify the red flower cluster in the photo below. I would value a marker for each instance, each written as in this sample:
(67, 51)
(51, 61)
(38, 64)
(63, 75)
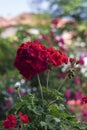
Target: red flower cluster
(84, 100)
(24, 118)
(11, 121)
(33, 58)
(57, 58)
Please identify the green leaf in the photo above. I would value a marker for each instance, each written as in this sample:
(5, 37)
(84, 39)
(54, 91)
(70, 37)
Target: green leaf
(56, 119)
(16, 107)
(43, 123)
(62, 107)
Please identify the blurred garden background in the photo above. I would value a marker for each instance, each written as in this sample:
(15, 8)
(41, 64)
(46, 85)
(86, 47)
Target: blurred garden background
(58, 23)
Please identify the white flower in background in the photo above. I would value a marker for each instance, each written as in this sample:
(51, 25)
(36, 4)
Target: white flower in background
(22, 81)
(34, 31)
(17, 85)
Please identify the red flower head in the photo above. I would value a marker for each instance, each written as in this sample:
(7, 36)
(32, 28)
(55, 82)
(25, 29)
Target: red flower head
(31, 59)
(72, 60)
(84, 100)
(10, 121)
(56, 57)
(23, 118)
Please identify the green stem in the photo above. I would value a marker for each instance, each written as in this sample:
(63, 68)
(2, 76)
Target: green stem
(62, 84)
(58, 90)
(40, 87)
(47, 79)
(19, 94)
(33, 101)
(45, 127)
(53, 102)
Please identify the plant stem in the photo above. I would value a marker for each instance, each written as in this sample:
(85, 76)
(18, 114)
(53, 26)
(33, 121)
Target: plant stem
(62, 84)
(19, 94)
(47, 79)
(58, 90)
(45, 127)
(33, 101)
(40, 87)
(53, 102)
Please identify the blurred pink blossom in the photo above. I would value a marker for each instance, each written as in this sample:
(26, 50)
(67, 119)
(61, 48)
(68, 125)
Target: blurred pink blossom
(81, 61)
(55, 21)
(10, 90)
(84, 113)
(52, 34)
(22, 91)
(77, 80)
(68, 94)
(61, 40)
(74, 102)
(8, 103)
(78, 95)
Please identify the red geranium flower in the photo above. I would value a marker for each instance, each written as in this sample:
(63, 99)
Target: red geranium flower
(56, 57)
(10, 121)
(24, 118)
(31, 59)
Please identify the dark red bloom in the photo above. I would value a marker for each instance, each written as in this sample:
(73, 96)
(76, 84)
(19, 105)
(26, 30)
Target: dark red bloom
(72, 60)
(56, 57)
(24, 118)
(84, 100)
(31, 59)
(10, 121)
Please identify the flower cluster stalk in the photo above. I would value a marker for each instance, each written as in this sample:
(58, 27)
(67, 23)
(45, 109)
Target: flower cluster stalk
(40, 87)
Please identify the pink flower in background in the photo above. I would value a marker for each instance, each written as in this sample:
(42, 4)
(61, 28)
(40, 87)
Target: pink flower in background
(61, 40)
(81, 61)
(77, 102)
(10, 90)
(78, 95)
(71, 102)
(68, 94)
(52, 34)
(74, 102)
(9, 102)
(77, 80)
(55, 21)
(22, 91)
(84, 112)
